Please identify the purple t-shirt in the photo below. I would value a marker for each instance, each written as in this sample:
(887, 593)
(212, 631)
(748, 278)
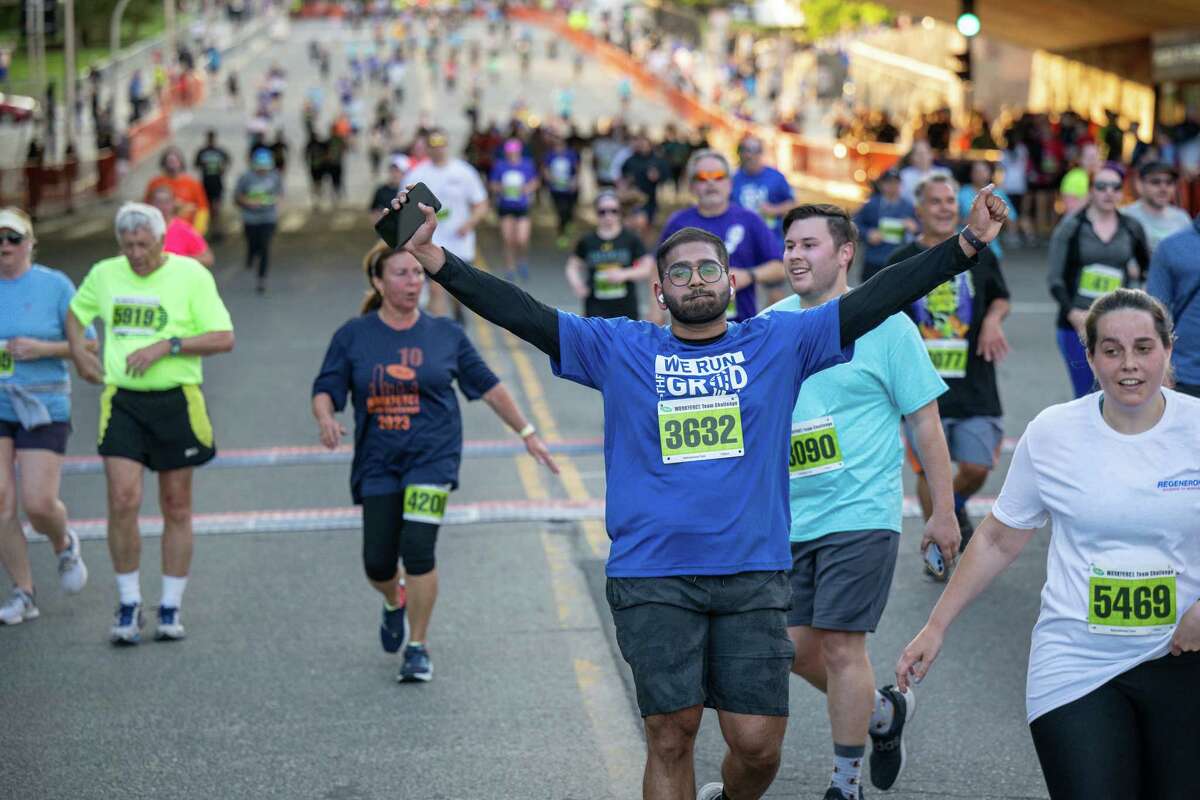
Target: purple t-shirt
(747, 238)
(513, 179)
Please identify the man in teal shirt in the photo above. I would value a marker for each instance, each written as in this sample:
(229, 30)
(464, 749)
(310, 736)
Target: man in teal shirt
(846, 500)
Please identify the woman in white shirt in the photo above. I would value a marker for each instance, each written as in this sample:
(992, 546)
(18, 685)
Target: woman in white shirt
(1114, 665)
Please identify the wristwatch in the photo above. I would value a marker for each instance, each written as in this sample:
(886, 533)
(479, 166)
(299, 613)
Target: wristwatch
(972, 239)
(176, 345)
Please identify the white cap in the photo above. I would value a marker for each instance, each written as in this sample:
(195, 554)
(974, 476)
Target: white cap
(15, 222)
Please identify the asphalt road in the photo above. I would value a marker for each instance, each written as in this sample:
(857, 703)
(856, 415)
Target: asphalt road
(281, 690)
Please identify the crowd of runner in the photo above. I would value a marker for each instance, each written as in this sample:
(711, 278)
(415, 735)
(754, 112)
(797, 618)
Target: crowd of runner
(774, 379)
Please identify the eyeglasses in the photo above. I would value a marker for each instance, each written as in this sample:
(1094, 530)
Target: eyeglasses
(711, 175)
(12, 237)
(681, 274)
(616, 212)
(1106, 186)
(1159, 182)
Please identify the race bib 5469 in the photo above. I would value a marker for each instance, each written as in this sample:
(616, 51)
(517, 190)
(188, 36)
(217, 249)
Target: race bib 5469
(1131, 602)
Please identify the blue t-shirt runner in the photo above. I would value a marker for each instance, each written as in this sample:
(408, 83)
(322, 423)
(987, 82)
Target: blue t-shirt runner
(767, 186)
(512, 179)
(407, 424)
(747, 238)
(561, 169)
(34, 306)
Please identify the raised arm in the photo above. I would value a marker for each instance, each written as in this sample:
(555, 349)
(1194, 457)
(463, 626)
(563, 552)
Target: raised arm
(495, 300)
(891, 289)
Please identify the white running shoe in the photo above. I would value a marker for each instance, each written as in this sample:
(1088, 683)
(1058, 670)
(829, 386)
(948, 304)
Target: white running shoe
(710, 791)
(170, 625)
(18, 608)
(127, 625)
(72, 572)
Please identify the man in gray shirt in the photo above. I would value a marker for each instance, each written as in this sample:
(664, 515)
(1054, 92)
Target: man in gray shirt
(257, 194)
(1155, 208)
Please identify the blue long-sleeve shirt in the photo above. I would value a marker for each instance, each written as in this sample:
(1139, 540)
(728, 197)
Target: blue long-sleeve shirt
(1175, 280)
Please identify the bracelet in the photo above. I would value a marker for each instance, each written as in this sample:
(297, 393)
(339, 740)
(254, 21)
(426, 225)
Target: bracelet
(527, 431)
(972, 239)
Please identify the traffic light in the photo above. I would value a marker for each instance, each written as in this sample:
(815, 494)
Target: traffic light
(968, 23)
(962, 66)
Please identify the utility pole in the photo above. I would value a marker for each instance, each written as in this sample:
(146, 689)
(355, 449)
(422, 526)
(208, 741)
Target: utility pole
(70, 73)
(114, 47)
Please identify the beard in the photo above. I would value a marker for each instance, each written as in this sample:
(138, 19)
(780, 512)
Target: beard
(698, 308)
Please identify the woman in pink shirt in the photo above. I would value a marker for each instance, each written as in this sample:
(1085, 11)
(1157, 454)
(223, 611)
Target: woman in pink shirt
(181, 237)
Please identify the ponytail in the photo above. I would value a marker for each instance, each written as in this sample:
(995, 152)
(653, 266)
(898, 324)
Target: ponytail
(373, 268)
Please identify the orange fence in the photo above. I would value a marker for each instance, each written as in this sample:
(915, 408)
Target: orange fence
(55, 188)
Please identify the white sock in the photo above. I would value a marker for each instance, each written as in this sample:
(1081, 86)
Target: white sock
(883, 713)
(129, 587)
(172, 591)
(847, 769)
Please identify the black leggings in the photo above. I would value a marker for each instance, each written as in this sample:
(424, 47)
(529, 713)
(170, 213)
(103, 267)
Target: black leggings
(258, 245)
(1134, 737)
(564, 207)
(388, 536)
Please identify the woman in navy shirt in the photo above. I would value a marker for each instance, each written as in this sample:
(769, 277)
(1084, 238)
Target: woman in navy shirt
(399, 367)
(513, 181)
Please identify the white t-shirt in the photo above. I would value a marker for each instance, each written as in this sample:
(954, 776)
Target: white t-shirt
(1116, 502)
(1157, 226)
(458, 186)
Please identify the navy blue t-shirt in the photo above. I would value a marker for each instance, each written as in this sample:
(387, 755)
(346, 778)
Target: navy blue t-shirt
(696, 437)
(407, 425)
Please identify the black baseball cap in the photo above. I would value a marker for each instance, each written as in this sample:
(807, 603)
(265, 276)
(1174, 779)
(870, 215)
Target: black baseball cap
(892, 174)
(1155, 168)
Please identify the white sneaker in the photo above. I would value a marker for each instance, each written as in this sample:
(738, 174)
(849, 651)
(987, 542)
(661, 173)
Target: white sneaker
(18, 608)
(72, 572)
(127, 625)
(710, 791)
(170, 625)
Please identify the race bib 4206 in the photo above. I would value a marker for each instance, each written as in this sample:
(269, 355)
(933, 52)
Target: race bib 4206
(1131, 601)
(700, 428)
(425, 502)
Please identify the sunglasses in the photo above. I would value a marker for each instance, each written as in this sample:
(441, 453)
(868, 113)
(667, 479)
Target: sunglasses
(681, 274)
(608, 211)
(711, 175)
(12, 238)
(1106, 186)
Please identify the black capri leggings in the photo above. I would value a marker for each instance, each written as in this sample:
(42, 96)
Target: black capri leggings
(1135, 736)
(388, 537)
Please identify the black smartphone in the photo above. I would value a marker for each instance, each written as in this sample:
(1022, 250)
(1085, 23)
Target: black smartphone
(397, 227)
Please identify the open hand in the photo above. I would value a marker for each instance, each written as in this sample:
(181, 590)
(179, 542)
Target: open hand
(331, 432)
(992, 345)
(541, 454)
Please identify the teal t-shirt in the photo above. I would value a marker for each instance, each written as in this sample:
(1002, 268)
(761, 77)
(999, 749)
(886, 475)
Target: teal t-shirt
(845, 457)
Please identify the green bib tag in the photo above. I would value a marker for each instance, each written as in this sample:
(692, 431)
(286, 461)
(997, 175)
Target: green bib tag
(1099, 279)
(949, 356)
(1131, 602)
(425, 502)
(891, 230)
(137, 316)
(608, 290)
(700, 428)
(6, 360)
(815, 448)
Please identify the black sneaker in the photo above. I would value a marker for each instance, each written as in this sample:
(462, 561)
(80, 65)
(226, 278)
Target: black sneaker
(887, 748)
(834, 793)
(965, 527)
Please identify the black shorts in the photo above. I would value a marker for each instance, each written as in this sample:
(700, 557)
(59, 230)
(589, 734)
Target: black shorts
(162, 430)
(52, 436)
(512, 212)
(840, 582)
(716, 640)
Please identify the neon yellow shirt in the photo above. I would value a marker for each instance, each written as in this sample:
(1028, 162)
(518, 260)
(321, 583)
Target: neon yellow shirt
(1075, 183)
(177, 299)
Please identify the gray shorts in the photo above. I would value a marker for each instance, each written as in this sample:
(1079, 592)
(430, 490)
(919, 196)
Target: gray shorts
(841, 581)
(972, 440)
(718, 641)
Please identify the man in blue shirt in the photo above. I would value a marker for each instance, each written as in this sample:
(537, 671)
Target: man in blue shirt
(886, 221)
(765, 191)
(845, 463)
(1175, 280)
(753, 250)
(697, 417)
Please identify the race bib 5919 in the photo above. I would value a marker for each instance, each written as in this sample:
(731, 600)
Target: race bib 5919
(137, 316)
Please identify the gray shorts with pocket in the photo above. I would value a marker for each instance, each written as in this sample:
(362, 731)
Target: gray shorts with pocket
(718, 641)
(840, 582)
(972, 440)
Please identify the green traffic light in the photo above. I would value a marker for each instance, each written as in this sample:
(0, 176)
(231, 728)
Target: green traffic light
(968, 24)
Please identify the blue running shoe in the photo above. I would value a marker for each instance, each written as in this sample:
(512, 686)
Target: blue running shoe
(417, 666)
(170, 625)
(393, 630)
(127, 625)
(523, 271)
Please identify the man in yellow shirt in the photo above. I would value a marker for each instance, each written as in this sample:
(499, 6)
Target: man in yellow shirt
(161, 315)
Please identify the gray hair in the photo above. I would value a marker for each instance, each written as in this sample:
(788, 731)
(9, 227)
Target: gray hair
(932, 178)
(132, 216)
(701, 154)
